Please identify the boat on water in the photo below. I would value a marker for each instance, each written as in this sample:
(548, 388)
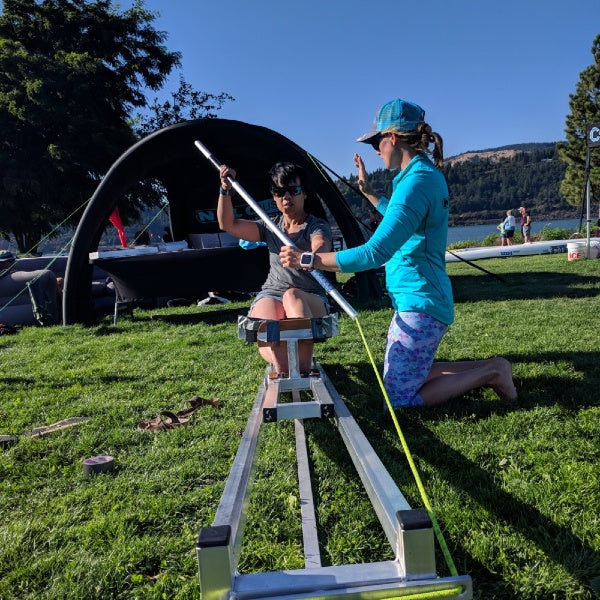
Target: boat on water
(577, 246)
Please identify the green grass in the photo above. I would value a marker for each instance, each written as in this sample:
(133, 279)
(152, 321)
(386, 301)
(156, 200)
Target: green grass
(516, 490)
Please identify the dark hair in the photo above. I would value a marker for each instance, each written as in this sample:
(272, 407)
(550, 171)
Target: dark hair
(421, 138)
(284, 173)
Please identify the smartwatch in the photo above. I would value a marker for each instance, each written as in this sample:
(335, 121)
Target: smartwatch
(307, 260)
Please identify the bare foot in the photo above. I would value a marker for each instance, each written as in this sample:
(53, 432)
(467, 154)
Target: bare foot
(503, 383)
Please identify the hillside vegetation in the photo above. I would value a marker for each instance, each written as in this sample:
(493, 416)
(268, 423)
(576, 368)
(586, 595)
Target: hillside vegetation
(485, 184)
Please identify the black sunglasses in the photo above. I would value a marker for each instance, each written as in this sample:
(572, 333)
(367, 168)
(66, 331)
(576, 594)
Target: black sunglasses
(375, 141)
(293, 190)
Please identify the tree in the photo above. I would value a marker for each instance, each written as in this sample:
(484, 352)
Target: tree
(187, 104)
(585, 110)
(71, 72)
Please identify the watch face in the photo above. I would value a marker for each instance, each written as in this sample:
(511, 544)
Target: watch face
(306, 260)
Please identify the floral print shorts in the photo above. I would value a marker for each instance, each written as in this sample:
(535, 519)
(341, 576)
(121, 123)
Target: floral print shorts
(413, 339)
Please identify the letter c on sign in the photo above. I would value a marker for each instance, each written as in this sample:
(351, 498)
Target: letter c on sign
(593, 135)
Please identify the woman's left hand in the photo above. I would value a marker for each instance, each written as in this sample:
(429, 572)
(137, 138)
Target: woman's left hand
(290, 257)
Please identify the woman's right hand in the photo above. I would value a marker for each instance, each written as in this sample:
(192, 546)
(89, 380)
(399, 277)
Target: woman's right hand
(224, 173)
(363, 184)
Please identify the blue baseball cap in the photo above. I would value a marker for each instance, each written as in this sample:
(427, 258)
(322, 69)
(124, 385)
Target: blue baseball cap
(398, 114)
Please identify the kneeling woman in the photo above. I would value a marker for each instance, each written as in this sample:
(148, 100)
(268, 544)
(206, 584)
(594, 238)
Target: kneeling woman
(411, 242)
(287, 293)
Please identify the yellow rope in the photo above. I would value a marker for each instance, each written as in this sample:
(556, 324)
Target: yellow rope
(150, 223)
(455, 591)
(58, 227)
(413, 467)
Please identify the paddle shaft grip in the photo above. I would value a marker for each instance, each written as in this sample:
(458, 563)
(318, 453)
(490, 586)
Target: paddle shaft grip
(285, 240)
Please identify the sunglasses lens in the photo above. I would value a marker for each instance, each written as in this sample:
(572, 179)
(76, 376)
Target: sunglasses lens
(293, 190)
(375, 142)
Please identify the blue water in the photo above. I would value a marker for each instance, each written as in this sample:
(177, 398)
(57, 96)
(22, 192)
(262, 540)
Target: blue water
(479, 232)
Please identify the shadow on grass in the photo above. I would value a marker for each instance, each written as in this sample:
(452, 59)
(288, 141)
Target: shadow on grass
(220, 315)
(487, 584)
(524, 286)
(18, 381)
(557, 542)
(463, 474)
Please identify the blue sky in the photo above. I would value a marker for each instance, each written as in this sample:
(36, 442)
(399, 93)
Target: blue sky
(487, 73)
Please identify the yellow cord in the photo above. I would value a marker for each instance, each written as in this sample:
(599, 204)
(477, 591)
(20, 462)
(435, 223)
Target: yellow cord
(150, 223)
(413, 467)
(455, 591)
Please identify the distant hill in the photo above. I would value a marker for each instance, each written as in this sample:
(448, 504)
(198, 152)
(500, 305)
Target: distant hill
(497, 154)
(484, 184)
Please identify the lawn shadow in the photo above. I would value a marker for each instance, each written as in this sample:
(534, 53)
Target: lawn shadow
(524, 286)
(220, 315)
(18, 381)
(540, 390)
(363, 397)
(557, 542)
(373, 421)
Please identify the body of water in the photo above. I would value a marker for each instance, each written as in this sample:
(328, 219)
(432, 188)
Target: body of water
(479, 232)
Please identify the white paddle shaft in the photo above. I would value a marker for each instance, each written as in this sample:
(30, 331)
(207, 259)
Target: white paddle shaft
(285, 240)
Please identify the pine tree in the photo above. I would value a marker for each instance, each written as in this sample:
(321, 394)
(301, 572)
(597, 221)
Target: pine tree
(585, 110)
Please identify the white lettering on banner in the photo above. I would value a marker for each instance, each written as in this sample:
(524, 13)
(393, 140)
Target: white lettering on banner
(595, 134)
(205, 215)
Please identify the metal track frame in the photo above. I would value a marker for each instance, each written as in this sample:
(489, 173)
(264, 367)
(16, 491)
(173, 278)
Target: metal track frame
(409, 531)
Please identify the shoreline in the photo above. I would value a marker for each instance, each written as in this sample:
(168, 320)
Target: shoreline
(459, 221)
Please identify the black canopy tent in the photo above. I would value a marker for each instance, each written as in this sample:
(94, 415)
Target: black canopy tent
(191, 183)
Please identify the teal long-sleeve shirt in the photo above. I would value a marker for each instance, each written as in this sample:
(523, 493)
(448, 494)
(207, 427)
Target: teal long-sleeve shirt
(411, 242)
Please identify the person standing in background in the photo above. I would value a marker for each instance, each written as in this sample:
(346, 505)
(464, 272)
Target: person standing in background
(525, 224)
(167, 235)
(500, 227)
(509, 227)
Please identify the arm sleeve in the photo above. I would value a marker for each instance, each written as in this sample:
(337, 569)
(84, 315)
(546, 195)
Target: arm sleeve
(403, 214)
(382, 205)
(321, 227)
